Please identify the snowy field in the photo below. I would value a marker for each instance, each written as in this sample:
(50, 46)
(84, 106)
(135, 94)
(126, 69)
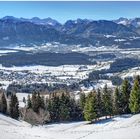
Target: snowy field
(20, 98)
(126, 126)
(63, 69)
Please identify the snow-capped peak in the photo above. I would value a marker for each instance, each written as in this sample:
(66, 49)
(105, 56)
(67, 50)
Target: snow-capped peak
(135, 21)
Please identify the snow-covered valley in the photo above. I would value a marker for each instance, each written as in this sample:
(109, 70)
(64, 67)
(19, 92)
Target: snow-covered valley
(126, 126)
(67, 74)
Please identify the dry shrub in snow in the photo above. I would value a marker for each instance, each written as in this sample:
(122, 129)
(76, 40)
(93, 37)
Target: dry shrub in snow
(34, 118)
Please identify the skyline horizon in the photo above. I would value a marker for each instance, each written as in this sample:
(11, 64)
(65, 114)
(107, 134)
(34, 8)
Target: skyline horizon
(65, 10)
(67, 19)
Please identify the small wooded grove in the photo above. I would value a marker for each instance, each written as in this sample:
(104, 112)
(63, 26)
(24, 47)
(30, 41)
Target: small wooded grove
(62, 106)
(9, 105)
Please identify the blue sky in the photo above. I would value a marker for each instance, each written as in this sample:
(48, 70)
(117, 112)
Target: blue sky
(63, 11)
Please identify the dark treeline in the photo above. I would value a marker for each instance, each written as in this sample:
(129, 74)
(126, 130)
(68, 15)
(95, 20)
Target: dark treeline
(58, 106)
(123, 100)
(9, 105)
(106, 102)
(62, 106)
(45, 58)
(40, 87)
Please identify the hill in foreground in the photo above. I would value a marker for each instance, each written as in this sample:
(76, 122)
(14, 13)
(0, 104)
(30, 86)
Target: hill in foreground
(126, 126)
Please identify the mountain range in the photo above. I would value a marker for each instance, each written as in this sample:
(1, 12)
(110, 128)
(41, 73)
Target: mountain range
(125, 21)
(84, 32)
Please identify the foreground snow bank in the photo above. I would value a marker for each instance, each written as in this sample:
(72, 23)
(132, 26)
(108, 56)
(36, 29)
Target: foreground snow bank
(125, 126)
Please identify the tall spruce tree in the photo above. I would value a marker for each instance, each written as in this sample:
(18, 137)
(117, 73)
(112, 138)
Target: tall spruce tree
(29, 102)
(82, 100)
(100, 105)
(64, 107)
(76, 113)
(107, 101)
(118, 101)
(38, 102)
(35, 102)
(3, 104)
(134, 104)
(53, 108)
(14, 107)
(125, 89)
(138, 78)
(42, 102)
(90, 109)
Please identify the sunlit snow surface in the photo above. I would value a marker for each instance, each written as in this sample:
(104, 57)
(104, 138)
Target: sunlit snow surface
(20, 98)
(126, 126)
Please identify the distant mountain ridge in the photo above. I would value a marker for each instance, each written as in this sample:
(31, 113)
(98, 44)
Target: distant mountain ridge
(49, 21)
(125, 21)
(18, 31)
(36, 20)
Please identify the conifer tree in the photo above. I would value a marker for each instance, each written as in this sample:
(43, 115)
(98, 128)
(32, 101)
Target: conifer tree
(64, 107)
(107, 101)
(53, 108)
(39, 101)
(35, 103)
(100, 105)
(29, 103)
(76, 113)
(90, 109)
(118, 101)
(14, 107)
(42, 104)
(3, 104)
(138, 78)
(82, 100)
(125, 89)
(134, 104)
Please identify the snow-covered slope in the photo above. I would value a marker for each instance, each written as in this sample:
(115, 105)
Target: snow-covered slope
(126, 126)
